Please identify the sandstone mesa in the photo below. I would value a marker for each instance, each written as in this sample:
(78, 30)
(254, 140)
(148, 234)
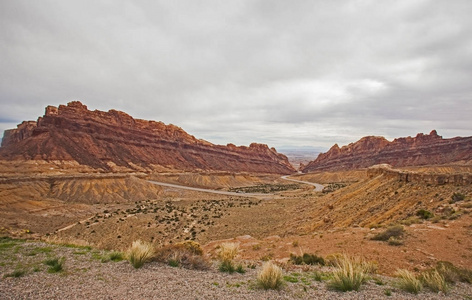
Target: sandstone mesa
(113, 140)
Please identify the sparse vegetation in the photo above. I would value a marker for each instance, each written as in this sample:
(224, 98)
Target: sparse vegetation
(396, 231)
(457, 197)
(139, 253)
(408, 282)
(265, 188)
(270, 276)
(17, 273)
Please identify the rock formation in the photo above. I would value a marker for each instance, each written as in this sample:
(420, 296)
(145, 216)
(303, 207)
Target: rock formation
(114, 140)
(429, 149)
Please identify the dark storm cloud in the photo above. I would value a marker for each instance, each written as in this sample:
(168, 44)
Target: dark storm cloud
(279, 72)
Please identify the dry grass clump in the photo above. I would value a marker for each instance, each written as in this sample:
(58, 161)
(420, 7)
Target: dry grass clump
(350, 273)
(435, 281)
(226, 254)
(452, 274)
(188, 254)
(139, 253)
(270, 276)
(228, 251)
(407, 281)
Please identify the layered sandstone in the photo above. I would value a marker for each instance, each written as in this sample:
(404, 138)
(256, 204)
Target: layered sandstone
(424, 149)
(113, 140)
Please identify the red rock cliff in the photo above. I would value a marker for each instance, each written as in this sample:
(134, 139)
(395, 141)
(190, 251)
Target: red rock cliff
(429, 149)
(102, 139)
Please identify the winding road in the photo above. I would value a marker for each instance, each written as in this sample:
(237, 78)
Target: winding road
(318, 188)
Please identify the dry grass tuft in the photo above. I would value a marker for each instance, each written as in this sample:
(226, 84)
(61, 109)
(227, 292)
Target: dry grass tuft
(226, 254)
(228, 251)
(435, 281)
(350, 273)
(407, 281)
(270, 276)
(139, 253)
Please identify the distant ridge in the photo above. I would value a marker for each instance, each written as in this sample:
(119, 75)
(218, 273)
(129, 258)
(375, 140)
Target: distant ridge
(113, 140)
(424, 149)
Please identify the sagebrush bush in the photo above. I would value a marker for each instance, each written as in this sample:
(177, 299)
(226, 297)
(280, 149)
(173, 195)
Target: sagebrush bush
(396, 231)
(435, 281)
(188, 254)
(408, 282)
(349, 273)
(270, 276)
(139, 253)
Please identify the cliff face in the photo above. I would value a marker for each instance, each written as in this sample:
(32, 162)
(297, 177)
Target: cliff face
(429, 149)
(107, 140)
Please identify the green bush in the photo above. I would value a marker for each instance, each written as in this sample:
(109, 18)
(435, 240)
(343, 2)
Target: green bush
(424, 214)
(307, 259)
(55, 264)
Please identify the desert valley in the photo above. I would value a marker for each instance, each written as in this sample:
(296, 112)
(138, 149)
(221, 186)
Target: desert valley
(81, 184)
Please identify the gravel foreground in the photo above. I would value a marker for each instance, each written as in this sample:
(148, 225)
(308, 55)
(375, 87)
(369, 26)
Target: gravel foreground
(85, 276)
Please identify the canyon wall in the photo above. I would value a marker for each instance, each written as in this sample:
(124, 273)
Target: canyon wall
(424, 149)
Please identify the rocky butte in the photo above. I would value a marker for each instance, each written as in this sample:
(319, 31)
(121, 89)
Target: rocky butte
(424, 149)
(113, 140)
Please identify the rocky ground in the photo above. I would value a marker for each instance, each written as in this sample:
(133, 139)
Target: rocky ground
(88, 274)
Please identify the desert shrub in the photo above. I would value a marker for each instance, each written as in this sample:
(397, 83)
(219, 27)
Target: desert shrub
(139, 253)
(226, 254)
(435, 281)
(424, 214)
(408, 282)
(396, 231)
(186, 254)
(457, 197)
(349, 274)
(452, 273)
(307, 259)
(55, 264)
(270, 276)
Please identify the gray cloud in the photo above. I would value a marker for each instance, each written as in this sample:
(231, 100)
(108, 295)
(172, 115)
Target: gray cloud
(286, 73)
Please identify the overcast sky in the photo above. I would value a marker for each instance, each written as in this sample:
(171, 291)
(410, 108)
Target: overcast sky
(285, 73)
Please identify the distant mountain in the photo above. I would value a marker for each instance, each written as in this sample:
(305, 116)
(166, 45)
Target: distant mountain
(114, 140)
(429, 149)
